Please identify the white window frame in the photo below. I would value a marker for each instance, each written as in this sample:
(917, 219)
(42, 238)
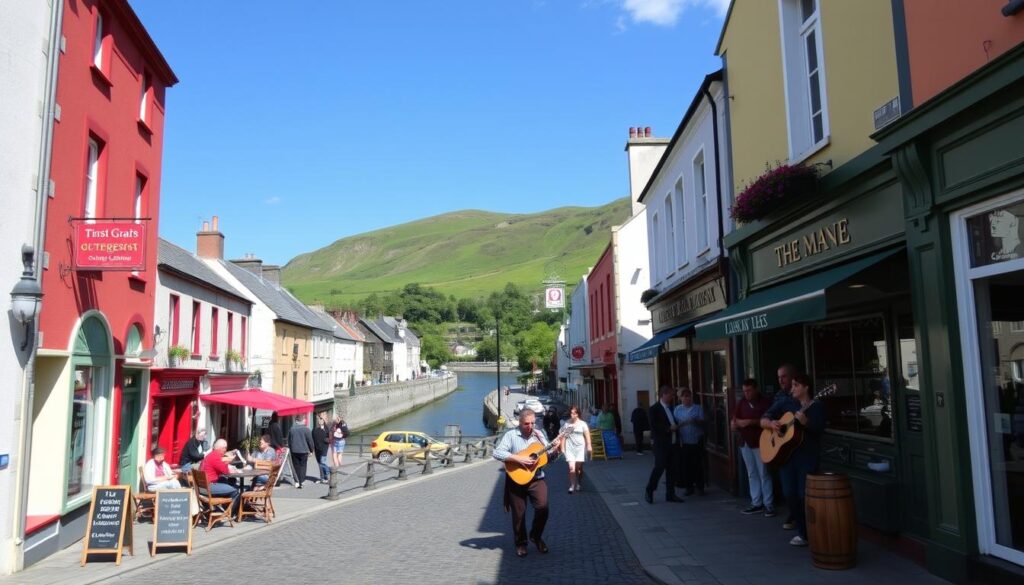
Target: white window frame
(97, 43)
(678, 190)
(140, 186)
(92, 177)
(144, 99)
(670, 235)
(793, 33)
(981, 470)
(700, 202)
(655, 253)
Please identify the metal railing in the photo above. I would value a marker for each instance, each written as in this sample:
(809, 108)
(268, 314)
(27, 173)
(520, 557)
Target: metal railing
(465, 449)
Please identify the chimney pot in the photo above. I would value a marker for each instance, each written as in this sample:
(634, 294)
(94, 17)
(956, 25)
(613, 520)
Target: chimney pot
(215, 217)
(632, 132)
(206, 226)
(647, 134)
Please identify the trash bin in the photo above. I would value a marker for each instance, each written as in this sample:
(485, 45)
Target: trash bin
(831, 521)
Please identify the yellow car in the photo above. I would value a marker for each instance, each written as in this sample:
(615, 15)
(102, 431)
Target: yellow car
(390, 443)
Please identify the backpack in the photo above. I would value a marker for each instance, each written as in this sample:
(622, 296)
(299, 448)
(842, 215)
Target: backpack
(344, 430)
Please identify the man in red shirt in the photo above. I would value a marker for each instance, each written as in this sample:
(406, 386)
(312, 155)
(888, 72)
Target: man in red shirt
(747, 420)
(214, 467)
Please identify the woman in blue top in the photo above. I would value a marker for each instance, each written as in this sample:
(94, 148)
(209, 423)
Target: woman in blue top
(810, 415)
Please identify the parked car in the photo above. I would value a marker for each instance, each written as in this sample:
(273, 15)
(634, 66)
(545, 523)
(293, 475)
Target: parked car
(390, 443)
(531, 403)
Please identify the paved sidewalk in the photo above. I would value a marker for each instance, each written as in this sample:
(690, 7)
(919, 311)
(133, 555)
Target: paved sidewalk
(707, 540)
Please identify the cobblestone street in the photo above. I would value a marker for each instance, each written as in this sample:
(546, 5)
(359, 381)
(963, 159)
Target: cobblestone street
(445, 529)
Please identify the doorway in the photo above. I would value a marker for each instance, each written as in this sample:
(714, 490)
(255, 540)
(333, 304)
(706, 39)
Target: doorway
(128, 440)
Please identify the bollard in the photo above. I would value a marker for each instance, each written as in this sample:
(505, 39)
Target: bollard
(332, 485)
(449, 459)
(469, 455)
(401, 467)
(370, 484)
(426, 464)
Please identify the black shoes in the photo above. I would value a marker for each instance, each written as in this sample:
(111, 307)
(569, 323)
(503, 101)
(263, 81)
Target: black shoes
(674, 499)
(521, 550)
(649, 496)
(541, 545)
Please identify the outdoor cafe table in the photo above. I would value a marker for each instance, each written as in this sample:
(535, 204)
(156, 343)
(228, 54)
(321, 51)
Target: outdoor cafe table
(242, 474)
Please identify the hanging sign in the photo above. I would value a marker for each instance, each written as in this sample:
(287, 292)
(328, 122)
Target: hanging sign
(110, 245)
(172, 520)
(554, 297)
(578, 352)
(109, 527)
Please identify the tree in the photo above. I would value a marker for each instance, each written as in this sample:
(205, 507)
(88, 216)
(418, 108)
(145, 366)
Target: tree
(434, 349)
(535, 346)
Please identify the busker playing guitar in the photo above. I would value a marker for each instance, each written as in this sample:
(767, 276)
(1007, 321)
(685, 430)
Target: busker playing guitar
(509, 449)
(804, 459)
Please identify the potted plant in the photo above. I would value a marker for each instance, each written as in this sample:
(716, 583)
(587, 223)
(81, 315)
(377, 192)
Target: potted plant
(231, 358)
(176, 354)
(776, 187)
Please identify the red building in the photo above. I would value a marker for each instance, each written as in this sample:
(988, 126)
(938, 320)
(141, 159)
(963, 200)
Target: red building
(99, 278)
(603, 328)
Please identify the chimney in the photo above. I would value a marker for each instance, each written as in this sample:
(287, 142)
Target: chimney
(251, 263)
(272, 273)
(643, 151)
(210, 242)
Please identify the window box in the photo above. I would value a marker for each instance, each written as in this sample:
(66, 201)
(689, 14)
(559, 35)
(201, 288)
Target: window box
(776, 188)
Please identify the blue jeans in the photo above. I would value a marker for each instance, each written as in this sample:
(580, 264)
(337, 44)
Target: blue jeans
(761, 490)
(223, 489)
(325, 470)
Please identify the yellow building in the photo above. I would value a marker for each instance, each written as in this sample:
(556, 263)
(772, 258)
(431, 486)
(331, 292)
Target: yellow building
(292, 362)
(804, 79)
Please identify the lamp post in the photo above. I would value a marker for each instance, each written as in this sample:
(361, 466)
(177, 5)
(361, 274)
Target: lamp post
(27, 295)
(497, 344)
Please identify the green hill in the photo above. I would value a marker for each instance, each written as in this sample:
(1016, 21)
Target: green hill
(465, 253)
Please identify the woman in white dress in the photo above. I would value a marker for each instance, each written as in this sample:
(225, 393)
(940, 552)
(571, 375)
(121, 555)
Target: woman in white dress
(575, 446)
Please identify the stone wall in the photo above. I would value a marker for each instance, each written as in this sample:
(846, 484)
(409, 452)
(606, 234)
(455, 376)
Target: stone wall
(366, 406)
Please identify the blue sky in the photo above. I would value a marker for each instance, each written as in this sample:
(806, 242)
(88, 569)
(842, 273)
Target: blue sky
(302, 123)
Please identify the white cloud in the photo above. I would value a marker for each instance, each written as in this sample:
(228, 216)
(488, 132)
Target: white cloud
(667, 12)
(272, 200)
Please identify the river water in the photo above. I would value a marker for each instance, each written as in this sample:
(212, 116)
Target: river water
(462, 407)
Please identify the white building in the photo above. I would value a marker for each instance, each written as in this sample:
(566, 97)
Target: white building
(581, 393)
(346, 353)
(29, 32)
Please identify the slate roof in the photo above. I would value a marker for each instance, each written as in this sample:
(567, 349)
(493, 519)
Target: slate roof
(377, 330)
(277, 298)
(333, 326)
(181, 262)
(390, 324)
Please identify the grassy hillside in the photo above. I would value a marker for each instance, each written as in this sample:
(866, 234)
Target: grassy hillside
(464, 253)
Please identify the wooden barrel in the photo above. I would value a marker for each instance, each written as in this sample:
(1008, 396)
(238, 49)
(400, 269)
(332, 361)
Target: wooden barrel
(831, 521)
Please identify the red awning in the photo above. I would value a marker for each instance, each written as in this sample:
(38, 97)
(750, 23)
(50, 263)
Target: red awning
(260, 399)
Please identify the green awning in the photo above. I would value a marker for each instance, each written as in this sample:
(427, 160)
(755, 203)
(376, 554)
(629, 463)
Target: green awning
(797, 301)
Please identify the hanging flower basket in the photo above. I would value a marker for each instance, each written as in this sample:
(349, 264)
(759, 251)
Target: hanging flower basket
(776, 187)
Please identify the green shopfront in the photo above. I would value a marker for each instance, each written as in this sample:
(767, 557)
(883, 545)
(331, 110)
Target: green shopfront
(823, 285)
(960, 160)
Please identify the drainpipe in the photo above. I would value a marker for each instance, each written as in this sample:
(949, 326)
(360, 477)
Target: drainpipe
(42, 195)
(718, 171)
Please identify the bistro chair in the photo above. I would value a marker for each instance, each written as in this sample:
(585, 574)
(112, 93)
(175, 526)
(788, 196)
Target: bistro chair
(259, 503)
(145, 500)
(213, 508)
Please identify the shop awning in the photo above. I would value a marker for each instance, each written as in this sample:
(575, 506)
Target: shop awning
(797, 301)
(261, 400)
(653, 345)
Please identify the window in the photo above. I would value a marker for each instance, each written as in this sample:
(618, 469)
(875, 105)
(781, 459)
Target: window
(214, 318)
(805, 78)
(138, 204)
(88, 425)
(681, 206)
(1015, 326)
(245, 337)
(711, 383)
(92, 178)
(231, 330)
(656, 270)
(670, 233)
(284, 342)
(611, 303)
(145, 96)
(196, 323)
(853, 356)
(172, 319)
(700, 197)
(97, 43)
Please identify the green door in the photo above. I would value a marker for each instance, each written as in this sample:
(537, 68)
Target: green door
(127, 442)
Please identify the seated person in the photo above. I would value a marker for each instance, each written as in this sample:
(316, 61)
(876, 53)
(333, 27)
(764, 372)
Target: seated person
(265, 453)
(158, 474)
(195, 450)
(215, 466)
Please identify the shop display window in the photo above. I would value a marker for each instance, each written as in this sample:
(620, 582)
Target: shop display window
(852, 355)
(712, 388)
(85, 448)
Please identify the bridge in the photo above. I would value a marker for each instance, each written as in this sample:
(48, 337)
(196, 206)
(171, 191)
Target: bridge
(512, 367)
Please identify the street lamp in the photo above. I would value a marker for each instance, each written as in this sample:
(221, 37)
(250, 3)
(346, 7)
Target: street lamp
(497, 344)
(27, 296)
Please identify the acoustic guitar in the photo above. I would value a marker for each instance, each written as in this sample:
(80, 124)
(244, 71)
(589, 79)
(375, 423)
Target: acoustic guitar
(776, 447)
(522, 474)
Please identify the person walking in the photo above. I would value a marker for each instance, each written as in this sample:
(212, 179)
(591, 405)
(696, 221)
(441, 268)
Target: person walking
(810, 415)
(640, 425)
(576, 447)
(339, 432)
(746, 420)
(665, 439)
(274, 430)
(511, 443)
(690, 418)
(300, 442)
(322, 443)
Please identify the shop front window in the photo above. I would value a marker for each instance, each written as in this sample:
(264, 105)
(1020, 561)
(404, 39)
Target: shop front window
(85, 449)
(712, 383)
(850, 358)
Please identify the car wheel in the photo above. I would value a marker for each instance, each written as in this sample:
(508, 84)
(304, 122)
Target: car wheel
(385, 456)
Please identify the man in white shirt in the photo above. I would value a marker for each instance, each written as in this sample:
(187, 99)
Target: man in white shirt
(158, 474)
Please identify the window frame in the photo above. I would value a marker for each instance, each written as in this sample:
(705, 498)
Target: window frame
(793, 31)
(197, 325)
(214, 323)
(655, 260)
(102, 46)
(94, 159)
(679, 191)
(670, 234)
(173, 319)
(700, 202)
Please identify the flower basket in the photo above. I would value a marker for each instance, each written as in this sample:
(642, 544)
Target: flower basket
(232, 359)
(777, 187)
(176, 355)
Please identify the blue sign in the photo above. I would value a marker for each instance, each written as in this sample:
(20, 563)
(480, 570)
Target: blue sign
(612, 446)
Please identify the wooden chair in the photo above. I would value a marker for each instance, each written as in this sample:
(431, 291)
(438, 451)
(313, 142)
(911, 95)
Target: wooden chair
(260, 502)
(145, 500)
(214, 508)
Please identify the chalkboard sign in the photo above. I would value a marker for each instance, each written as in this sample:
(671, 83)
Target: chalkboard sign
(109, 528)
(915, 421)
(612, 446)
(172, 520)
